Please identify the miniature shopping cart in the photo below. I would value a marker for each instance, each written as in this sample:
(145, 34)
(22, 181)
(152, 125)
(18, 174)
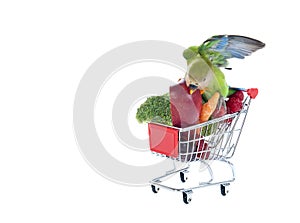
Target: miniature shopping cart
(205, 143)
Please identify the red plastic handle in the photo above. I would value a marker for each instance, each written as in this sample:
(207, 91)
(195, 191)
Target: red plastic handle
(252, 92)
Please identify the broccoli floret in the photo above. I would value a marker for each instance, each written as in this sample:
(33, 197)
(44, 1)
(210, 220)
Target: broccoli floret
(155, 108)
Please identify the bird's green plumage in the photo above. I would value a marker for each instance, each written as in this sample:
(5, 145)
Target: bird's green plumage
(219, 84)
(204, 61)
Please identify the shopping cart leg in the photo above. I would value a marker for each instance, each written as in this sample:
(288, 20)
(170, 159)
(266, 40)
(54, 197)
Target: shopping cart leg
(155, 188)
(187, 196)
(183, 176)
(224, 189)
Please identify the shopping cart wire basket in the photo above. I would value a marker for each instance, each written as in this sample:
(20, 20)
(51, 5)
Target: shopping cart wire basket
(214, 140)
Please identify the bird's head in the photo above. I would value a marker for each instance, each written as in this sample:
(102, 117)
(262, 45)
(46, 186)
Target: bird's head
(194, 85)
(198, 75)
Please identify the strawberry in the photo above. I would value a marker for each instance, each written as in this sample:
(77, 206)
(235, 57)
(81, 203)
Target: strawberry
(235, 102)
(239, 95)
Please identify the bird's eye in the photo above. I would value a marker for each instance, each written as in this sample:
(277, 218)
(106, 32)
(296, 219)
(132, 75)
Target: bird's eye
(192, 86)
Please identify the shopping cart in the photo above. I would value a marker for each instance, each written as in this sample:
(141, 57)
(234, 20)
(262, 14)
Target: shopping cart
(214, 140)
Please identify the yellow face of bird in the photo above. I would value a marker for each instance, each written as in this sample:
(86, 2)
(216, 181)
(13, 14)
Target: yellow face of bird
(199, 75)
(193, 84)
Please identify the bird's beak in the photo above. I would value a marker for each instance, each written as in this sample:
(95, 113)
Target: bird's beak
(192, 91)
(192, 88)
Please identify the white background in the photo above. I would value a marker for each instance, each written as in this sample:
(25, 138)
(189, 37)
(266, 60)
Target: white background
(45, 48)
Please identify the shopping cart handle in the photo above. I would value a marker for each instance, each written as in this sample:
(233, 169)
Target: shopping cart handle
(252, 92)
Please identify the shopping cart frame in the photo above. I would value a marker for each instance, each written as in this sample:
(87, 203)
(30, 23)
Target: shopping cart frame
(214, 140)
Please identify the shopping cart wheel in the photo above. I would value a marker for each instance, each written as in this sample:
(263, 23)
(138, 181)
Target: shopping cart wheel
(187, 196)
(183, 176)
(155, 189)
(224, 189)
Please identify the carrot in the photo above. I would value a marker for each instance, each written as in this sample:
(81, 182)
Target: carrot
(209, 107)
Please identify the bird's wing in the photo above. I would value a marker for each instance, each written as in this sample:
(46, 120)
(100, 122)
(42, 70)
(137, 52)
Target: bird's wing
(222, 47)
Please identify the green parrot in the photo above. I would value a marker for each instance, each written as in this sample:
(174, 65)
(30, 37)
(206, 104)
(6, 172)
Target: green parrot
(204, 62)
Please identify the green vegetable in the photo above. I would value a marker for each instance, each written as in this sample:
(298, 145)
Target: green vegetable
(155, 108)
(208, 129)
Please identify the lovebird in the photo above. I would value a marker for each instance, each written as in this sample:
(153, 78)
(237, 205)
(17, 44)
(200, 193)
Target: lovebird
(204, 62)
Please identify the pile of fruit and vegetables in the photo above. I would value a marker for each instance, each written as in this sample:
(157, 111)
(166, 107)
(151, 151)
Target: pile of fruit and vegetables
(203, 93)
